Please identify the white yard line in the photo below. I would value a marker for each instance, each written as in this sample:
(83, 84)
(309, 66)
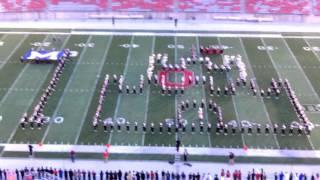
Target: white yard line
(16, 80)
(148, 94)
(65, 89)
(261, 99)
(29, 104)
(175, 78)
(302, 71)
(92, 92)
(203, 91)
(32, 99)
(307, 80)
(279, 75)
(14, 84)
(13, 51)
(120, 95)
(235, 106)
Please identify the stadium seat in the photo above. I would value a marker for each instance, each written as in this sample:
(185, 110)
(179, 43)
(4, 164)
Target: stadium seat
(299, 7)
(316, 7)
(22, 5)
(143, 5)
(232, 6)
(76, 5)
(278, 7)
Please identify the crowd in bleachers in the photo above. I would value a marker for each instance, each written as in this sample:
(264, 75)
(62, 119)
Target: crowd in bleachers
(279, 6)
(304, 7)
(80, 174)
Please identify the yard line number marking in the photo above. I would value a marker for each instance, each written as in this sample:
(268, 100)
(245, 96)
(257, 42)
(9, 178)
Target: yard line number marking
(57, 120)
(129, 45)
(41, 44)
(118, 120)
(87, 45)
(267, 48)
(180, 46)
(313, 48)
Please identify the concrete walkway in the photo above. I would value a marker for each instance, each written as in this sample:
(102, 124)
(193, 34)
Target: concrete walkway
(163, 150)
(212, 168)
(166, 25)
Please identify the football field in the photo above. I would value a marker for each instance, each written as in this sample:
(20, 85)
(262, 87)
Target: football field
(72, 106)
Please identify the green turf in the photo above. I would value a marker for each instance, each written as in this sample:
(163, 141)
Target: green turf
(115, 64)
(196, 92)
(38, 135)
(76, 97)
(245, 101)
(19, 76)
(22, 136)
(74, 103)
(307, 60)
(275, 107)
(161, 107)
(225, 102)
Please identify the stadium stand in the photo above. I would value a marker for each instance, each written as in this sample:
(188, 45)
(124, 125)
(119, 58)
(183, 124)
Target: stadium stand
(290, 7)
(22, 5)
(278, 7)
(77, 5)
(142, 5)
(316, 7)
(230, 6)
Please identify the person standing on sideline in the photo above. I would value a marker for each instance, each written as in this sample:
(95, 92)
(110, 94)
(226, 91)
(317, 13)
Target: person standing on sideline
(231, 158)
(178, 143)
(105, 155)
(30, 150)
(72, 155)
(175, 22)
(185, 155)
(113, 20)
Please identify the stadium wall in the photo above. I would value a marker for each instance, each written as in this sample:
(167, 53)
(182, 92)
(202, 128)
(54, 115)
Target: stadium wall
(96, 15)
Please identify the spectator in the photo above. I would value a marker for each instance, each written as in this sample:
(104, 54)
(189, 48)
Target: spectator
(281, 176)
(72, 155)
(178, 143)
(119, 174)
(231, 158)
(222, 174)
(175, 22)
(30, 150)
(185, 155)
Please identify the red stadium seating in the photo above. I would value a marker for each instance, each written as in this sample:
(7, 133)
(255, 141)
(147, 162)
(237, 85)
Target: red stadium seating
(303, 7)
(22, 5)
(278, 6)
(232, 6)
(143, 5)
(316, 7)
(76, 5)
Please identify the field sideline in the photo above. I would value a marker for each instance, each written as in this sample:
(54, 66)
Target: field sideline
(77, 93)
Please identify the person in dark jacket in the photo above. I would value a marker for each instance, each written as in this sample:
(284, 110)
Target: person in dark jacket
(101, 175)
(94, 175)
(156, 175)
(119, 174)
(107, 175)
(143, 176)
